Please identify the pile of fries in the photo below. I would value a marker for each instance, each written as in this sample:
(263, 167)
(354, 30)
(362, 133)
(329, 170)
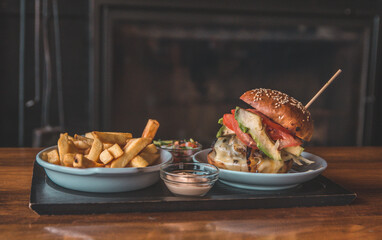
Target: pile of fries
(106, 149)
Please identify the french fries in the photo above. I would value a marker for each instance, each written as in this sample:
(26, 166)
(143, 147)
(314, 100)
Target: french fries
(113, 137)
(151, 148)
(105, 149)
(106, 156)
(130, 152)
(53, 157)
(80, 161)
(95, 150)
(88, 141)
(69, 159)
(128, 142)
(150, 154)
(65, 146)
(115, 150)
(107, 145)
(138, 161)
(150, 129)
(87, 151)
(80, 144)
(89, 135)
(150, 157)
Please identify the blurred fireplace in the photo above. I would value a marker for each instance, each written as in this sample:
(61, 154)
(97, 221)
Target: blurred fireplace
(187, 66)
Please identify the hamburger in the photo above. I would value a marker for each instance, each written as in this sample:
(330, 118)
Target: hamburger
(266, 138)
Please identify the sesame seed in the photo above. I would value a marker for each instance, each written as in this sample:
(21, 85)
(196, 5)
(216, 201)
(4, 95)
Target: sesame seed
(279, 99)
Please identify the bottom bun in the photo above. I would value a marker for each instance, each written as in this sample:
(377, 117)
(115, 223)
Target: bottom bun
(211, 160)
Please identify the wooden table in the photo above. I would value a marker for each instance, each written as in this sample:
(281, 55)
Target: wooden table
(357, 169)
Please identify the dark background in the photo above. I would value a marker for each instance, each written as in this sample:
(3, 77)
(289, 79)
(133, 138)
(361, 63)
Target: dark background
(75, 49)
(74, 23)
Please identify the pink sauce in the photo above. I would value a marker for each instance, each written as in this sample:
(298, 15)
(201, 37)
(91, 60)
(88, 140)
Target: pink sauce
(184, 184)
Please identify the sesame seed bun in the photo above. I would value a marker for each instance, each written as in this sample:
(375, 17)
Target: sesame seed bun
(282, 109)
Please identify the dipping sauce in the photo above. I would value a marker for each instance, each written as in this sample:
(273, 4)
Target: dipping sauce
(189, 179)
(188, 184)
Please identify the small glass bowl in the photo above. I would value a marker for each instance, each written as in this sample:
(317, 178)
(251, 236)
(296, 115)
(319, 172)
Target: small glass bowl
(189, 179)
(183, 155)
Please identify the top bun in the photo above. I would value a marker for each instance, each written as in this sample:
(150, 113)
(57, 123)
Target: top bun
(282, 109)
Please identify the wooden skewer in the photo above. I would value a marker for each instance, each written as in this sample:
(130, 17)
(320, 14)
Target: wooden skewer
(323, 88)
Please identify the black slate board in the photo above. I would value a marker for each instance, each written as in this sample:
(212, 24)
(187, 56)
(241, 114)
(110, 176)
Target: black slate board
(47, 198)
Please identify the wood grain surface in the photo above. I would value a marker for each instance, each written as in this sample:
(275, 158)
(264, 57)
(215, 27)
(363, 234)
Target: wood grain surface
(356, 168)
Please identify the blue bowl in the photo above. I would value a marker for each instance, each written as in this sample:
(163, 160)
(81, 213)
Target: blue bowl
(103, 180)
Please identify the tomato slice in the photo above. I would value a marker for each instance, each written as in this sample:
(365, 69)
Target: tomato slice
(274, 131)
(285, 139)
(230, 122)
(277, 132)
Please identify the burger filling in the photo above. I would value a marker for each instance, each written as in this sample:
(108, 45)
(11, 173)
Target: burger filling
(249, 141)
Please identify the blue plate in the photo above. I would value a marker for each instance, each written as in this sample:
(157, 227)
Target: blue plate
(269, 181)
(103, 180)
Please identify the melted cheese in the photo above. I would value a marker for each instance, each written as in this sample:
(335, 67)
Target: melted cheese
(230, 151)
